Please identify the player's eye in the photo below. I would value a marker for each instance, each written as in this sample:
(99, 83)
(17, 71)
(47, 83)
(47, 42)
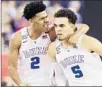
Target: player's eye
(61, 25)
(42, 18)
(55, 25)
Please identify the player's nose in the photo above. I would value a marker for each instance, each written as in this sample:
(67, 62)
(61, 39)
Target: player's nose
(58, 28)
(46, 20)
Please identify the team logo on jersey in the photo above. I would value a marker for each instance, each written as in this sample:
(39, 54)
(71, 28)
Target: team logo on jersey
(25, 41)
(35, 51)
(24, 37)
(73, 59)
(58, 49)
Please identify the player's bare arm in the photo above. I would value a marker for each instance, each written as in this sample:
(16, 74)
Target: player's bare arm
(52, 51)
(14, 46)
(96, 46)
(81, 29)
(92, 44)
(59, 75)
(52, 34)
(13, 57)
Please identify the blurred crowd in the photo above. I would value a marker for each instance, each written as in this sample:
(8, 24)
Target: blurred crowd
(12, 20)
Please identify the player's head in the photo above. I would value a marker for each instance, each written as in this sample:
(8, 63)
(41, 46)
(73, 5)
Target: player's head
(64, 23)
(35, 12)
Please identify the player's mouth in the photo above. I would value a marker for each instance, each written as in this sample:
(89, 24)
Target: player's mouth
(46, 27)
(59, 34)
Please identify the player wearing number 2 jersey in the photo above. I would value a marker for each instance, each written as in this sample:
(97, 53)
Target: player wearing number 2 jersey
(28, 63)
(33, 61)
(80, 66)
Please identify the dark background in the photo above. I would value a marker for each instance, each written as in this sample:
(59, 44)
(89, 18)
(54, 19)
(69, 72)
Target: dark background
(92, 15)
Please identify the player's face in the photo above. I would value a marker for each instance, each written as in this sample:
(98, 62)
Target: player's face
(40, 21)
(64, 29)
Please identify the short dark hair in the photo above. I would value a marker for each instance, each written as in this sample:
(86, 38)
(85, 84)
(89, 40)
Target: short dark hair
(65, 12)
(33, 8)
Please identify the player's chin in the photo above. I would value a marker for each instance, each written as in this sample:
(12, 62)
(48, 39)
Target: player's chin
(46, 26)
(59, 38)
(45, 29)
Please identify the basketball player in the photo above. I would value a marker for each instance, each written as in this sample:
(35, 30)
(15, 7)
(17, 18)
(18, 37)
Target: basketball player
(80, 66)
(28, 63)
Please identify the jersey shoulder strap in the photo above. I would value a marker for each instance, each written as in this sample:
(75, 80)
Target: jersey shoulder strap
(24, 34)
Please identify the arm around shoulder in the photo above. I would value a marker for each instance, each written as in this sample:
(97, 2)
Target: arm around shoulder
(83, 28)
(94, 45)
(97, 46)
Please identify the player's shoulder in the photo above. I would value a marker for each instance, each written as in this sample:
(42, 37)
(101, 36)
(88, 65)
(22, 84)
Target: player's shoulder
(17, 35)
(16, 38)
(90, 42)
(52, 45)
(89, 39)
(52, 49)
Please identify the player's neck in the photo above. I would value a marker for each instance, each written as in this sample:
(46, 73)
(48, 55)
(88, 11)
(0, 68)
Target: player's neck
(33, 34)
(66, 43)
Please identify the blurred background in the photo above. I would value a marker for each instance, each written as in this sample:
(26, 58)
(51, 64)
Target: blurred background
(88, 12)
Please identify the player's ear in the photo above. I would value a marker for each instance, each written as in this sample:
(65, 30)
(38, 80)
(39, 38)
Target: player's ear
(72, 25)
(75, 29)
(30, 20)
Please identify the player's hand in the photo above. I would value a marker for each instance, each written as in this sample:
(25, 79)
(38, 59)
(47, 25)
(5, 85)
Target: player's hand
(83, 27)
(24, 84)
(73, 40)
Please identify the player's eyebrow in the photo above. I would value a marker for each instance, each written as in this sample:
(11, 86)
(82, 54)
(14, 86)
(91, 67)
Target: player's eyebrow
(44, 17)
(55, 25)
(61, 25)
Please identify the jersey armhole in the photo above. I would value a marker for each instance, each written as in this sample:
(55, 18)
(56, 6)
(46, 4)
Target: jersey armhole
(24, 35)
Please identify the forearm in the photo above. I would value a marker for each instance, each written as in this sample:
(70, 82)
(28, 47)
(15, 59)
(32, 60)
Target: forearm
(81, 29)
(14, 75)
(79, 33)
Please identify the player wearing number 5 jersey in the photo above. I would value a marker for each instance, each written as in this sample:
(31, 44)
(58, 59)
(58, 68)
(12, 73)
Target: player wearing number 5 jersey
(28, 63)
(80, 66)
